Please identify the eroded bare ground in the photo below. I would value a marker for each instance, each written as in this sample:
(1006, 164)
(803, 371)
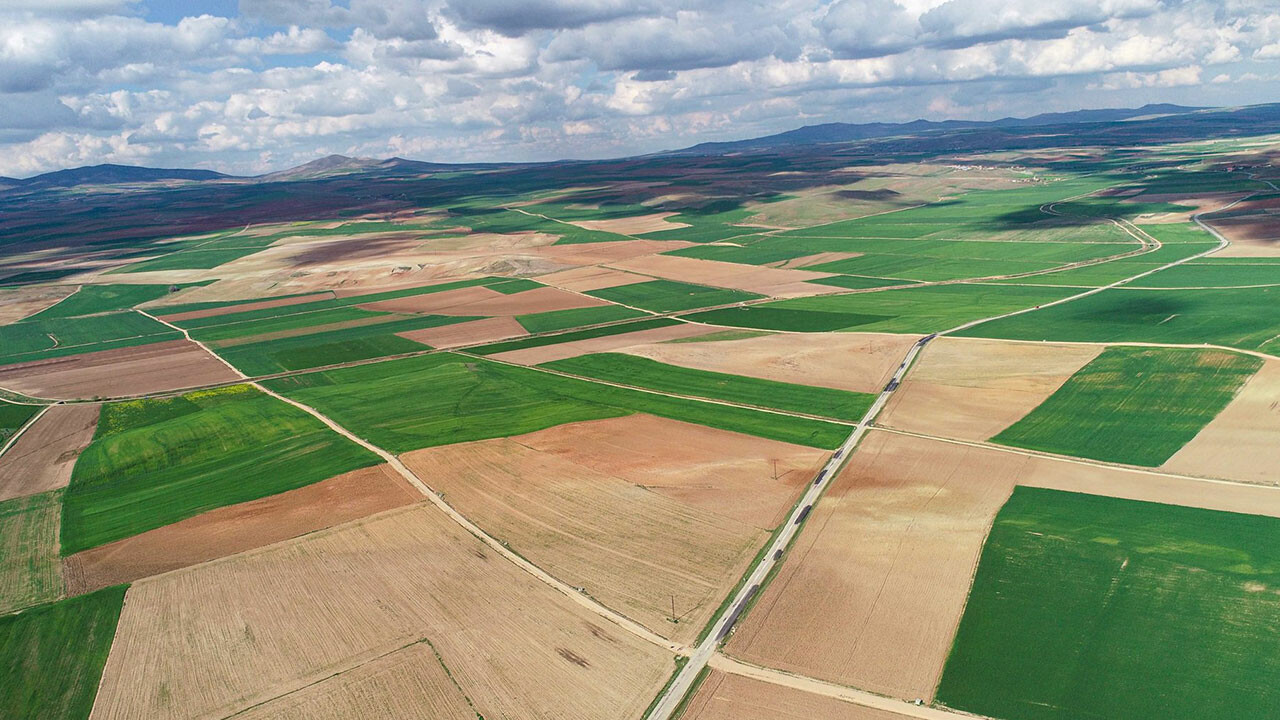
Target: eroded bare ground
(238, 633)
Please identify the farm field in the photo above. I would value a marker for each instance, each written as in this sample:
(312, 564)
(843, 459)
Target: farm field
(668, 295)
(908, 310)
(475, 399)
(576, 317)
(96, 299)
(57, 337)
(1136, 406)
(156, 367)
(643, 372)
(157, 461)
(1246, 318)
(875, 584)
(973, 389)
(13, 416)
(341, 598)
(41, 459)
(53, 655)
(1129, 580)
(724, 696)
(31, 571)
(1239, 444)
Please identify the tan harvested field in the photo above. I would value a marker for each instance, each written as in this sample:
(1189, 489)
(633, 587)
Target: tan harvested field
(574, 348)
(18, 303)
(41, 458)
(467, 333)
(1243, 441)
(973, 389)
(1136, 485)
(1251, 236)
(30, 572)
(591, 278)
(229, 530)
(1202, 202)
(222, 637)
(859, 362)
(773, 282)
(483, 301)
(243, 307)
(720, 471)
(629, 548)
(817, 259)
(635, 225)
(157, 367)
(877, 580)
(607, 252)
(307, 330)
(407, 684)
(724, 696)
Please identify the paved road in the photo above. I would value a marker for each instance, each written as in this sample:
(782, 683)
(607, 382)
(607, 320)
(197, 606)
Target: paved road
(723, 624)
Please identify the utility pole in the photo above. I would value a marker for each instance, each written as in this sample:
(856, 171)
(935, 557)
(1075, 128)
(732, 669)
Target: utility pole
(673, 609)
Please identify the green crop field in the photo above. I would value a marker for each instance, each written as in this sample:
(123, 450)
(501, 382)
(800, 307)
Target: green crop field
(1134, 405)
(907, 310)
(858, 282)
(472, 399)
(196, 259)
(53, 656)
(1246, 318)
(643, 372)
(577, 317)
(1092, 607)
(285, 323)
(157, 461)
(1214, 273)
(95, 299)
(13, 416)
(620, 329)
(1112, 271)
(668, 296)
(30, 568)
(56, 337)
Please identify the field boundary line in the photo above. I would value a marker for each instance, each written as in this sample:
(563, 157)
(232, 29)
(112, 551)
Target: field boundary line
(814, 686)
(1076, 460)
(25, 426)
(1123, 343)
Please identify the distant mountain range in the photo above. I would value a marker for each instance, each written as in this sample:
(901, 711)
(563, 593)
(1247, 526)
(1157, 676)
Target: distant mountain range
(808, 135)
(849, 132)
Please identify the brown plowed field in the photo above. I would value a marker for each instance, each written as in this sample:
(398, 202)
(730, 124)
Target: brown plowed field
(591, 278)
(483, 301)
(158, 367)
(973, 389)
(244, 307)
(1206, 202)
(1251, 236)
(860, 362)
(574, 348)
(723, 696)
(307, 330)
(877, 580)
(236, 528)
(1243, 441)
(408, 684)
(222, 637)
(769, 281)
(467, 333)
(635, 225)
(42, 457)
(30, 572)
(606, 252)
(719, 471)
(630, 548)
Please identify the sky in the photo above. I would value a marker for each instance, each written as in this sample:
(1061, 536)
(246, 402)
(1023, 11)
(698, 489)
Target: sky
(250, 86)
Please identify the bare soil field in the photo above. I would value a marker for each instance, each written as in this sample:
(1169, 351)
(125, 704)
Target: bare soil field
(635, 225)
(1136, 485)
(485, 302)
(244, 307)
(817, 259)
(1243, 441)
(467, 333)
(18, 303)
(773, 282)
(407, 684)
(724, 472)
(574, 348)
(1250, 236)
(973, 389)
(628, 547)
(859, 362)
(42, 457)
(236, 528)
(591, 278)
(877, 581)
(1206, 202)
(157, 367)
(30, 571)
(724, 696)
(607, 252)
(306, 330)
(226, 636)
